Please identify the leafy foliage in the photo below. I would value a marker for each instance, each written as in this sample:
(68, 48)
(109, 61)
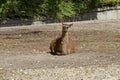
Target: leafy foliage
(9, 9)
(59, 9)
(80, 6)
(109, 3)
(53, 9)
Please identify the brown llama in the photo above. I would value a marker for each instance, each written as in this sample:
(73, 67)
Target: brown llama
(63, 45)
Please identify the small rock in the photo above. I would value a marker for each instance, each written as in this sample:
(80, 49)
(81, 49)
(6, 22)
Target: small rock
(1, 68)
(11, 64)
(21, 70)
(25, 72)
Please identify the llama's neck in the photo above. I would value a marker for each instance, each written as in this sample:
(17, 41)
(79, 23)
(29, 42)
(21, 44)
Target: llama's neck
(65, 35)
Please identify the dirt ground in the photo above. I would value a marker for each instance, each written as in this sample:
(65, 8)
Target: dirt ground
(27, 48)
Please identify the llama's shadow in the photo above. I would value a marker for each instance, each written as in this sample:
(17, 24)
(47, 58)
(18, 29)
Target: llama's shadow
(49, 52)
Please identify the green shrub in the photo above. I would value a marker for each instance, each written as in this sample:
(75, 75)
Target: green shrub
(9, 9)
(53, 9)
(103, 3)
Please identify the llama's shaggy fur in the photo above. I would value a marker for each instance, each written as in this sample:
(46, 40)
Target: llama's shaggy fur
(63, 45)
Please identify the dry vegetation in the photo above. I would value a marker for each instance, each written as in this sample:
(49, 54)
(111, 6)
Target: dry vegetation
(97, 37)
(97, 44)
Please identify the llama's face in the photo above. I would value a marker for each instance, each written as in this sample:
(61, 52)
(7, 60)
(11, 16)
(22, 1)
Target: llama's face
(66, 26)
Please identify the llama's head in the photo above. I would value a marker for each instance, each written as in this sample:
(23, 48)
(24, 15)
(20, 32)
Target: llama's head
(65, 27)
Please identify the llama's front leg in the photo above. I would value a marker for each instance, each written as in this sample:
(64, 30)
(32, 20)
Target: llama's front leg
(64, 50)
(52, 46)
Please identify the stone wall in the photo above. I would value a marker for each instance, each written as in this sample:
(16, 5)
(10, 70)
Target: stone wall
(108, 13)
